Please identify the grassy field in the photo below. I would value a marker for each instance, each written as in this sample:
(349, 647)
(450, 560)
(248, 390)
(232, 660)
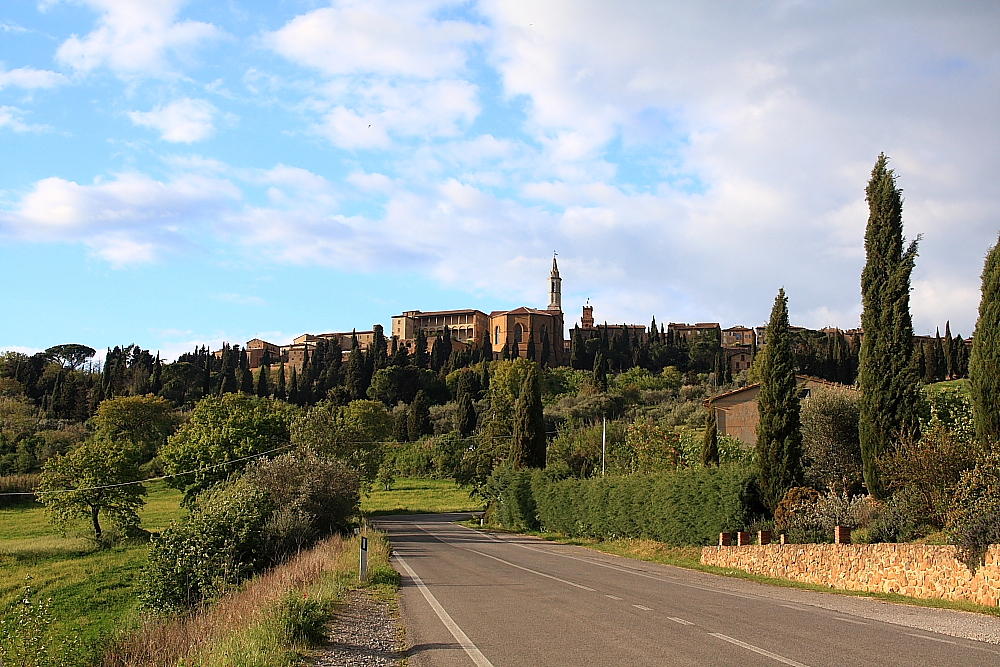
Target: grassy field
(420, 496)
(91, 589)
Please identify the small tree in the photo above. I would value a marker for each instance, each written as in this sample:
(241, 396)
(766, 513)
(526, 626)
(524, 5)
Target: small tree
(710, 442)
(263, 390)
(779, 440)
(984, 361)
(465, 415)
(528, 445)
(418, 422)
(100, 476)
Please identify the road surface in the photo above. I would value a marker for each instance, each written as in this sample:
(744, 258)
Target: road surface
(471, 597)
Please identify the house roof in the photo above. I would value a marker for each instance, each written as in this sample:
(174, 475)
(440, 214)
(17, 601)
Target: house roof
(523, 310)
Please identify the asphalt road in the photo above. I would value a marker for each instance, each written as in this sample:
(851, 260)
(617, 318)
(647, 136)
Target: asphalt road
(477, 598)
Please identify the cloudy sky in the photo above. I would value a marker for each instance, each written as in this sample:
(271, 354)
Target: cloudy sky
(177, 173)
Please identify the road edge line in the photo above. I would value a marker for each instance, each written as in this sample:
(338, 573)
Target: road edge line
(463, 639)
(757, 649)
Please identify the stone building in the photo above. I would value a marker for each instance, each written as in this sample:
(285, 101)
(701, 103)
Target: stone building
(736, 413)
(738, 336)
(517, 327)
(465, 326)
(680, 331)
(587, 329)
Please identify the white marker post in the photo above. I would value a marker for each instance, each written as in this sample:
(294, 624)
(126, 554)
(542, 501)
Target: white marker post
(363, 573)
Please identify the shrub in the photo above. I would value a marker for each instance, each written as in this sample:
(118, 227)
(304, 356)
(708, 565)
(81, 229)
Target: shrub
(27, 638)
(683, 507)
(302, 618)
(512, 499)
(974, 516)
(830, 441)
(253, 522)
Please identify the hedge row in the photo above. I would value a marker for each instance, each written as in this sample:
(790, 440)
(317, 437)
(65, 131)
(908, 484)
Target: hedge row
(685, 507)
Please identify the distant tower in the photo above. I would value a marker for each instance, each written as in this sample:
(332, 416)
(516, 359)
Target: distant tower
(555, 287)
(587, 320)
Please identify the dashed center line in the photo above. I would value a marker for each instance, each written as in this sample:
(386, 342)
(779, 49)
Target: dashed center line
(758, 650)
(933, 639)
(613, 597)
(639, 606)
(680, 620)
(849, 620)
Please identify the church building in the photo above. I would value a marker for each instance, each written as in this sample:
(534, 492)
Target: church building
(524, 328)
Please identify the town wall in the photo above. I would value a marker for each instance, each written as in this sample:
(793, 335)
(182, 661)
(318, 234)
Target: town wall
(916, 570)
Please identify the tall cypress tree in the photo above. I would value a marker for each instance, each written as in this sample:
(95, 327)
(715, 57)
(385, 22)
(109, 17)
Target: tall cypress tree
(600, 371)
(293, 389)
(887, 374)
(465, 415)
(984, 361)
(710, 442)
(420, 349)
(940, 363)
(263, 388)
(949, 352)
(418, 421)
(531, 346)
(279, 393)
(577, 351)
(355, 380)
(546, 348)
(528, 444)
(779, 438)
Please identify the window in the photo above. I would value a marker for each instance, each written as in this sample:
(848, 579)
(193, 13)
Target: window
(518, 333)
(496, 336)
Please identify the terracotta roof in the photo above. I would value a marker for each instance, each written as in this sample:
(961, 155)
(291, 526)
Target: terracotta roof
(523, 310)
(435, 313)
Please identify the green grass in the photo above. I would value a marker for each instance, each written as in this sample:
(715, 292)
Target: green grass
(420, 496)
(92, 589)
(962, 385)
(690, 558)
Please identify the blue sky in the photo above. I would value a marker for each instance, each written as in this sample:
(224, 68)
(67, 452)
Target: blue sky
(182, 173)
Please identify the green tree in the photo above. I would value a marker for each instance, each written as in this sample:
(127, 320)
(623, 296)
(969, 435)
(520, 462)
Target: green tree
(263, 388)
(144, 422)
(779, 439)
(984, 361)
(98, 477)
(70, 356)
(528, 443)
(279, 392)
(710, 442)
(600, 371)
(420, 358)
(354, 433)
(887, 374)
(419, 419)
(465, 415)
(531, 347)
(546, 348)
(231, 429)
(355, 380)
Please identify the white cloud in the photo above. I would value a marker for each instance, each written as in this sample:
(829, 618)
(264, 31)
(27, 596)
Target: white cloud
(12, 117)
(371, 37)
(394, 70)
(135, 38)
(29, 78)
(131, 219)
(185, 120)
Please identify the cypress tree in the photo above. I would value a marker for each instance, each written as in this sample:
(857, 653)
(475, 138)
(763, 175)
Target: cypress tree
(949, 352)
(577, 351)
(710, 442)
(465, 415)
(418, 421)
(962, 357)
(887, 375)
(379, 350)
(654, 333)
(528, 444)
(280, 391)
(400, 357)
(930, 372)
(531, 347)
(263, 390)
(400, 431)
(354, 381)
(779, 439)
(420, 349)
(600, 371)
(246, 381)
(921, 359)
(293, 389)
(505, 352)
(546, 348)
(984, 361)
(940, 363)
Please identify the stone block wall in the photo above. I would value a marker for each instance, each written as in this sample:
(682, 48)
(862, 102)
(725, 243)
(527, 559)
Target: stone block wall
(916, 570)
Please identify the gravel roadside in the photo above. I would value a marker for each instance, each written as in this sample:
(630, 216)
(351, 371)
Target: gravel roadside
(365, 633)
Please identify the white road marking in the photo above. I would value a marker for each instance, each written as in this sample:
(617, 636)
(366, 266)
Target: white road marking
(613, 597)
(463, 639)
(933, 639)
(639, 606)
(849, 620)
(680, 620)
(758, 650)
(796, 607)
(540, 574)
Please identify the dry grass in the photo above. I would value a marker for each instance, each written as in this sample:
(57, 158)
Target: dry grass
(207, 634)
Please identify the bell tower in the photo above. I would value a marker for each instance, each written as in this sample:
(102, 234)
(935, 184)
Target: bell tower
(555, 287)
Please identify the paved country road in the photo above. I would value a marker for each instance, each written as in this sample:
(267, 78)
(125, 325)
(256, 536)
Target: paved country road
(477, 598)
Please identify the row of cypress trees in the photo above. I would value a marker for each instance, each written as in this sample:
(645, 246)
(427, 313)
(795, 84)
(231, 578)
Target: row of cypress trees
(891, 368)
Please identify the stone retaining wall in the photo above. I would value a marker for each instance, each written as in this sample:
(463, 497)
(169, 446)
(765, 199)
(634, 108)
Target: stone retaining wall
(916, 570)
